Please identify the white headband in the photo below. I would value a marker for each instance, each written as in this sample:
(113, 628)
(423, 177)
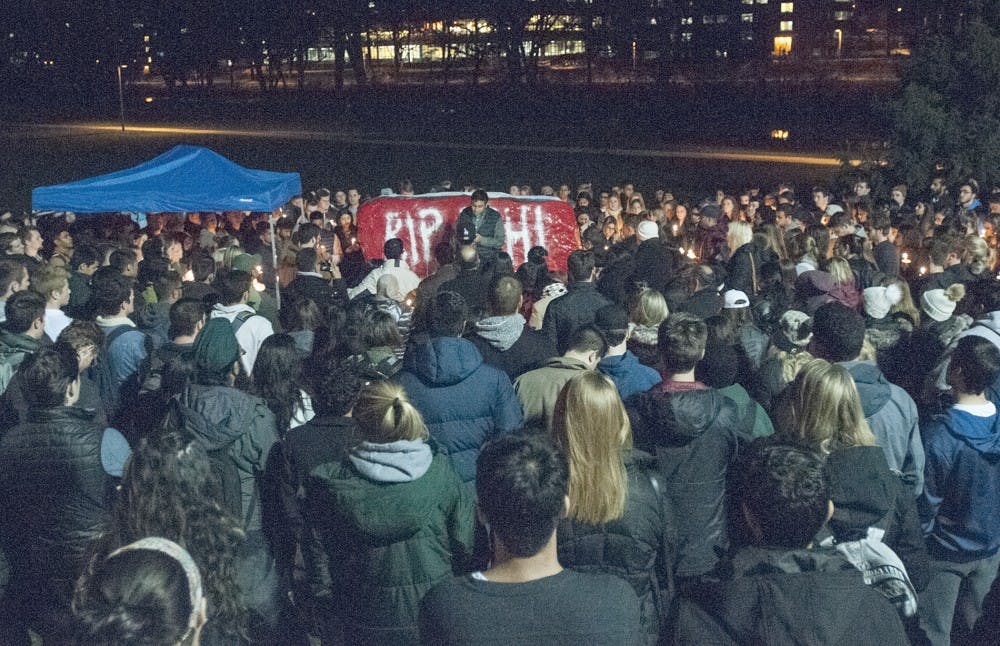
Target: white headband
(179, 554)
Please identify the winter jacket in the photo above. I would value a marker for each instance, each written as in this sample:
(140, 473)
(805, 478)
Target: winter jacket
(743, 270)
(54, 500)
(629, 376)
(489, 226)
(778, 597)
(570, 311)
(472, 284)
(892, 416)
(762, 426)
(638, 547)
(654, 264)
(384, 532)
(463, 401)
(221, 417)
(642, 343)
(865, 493)
(507, 343)
(695, 435)
(538, 390)
(960, 505)
(14, 349)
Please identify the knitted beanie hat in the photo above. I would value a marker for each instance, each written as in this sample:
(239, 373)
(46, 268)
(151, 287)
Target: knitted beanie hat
(939, 304)
(879, 300)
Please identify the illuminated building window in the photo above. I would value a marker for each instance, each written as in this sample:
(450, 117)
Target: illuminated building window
(687, 21)
(686, 37)
(785, 25)
(842, 15)
(787, 7)
(746, 17)
(782, 45)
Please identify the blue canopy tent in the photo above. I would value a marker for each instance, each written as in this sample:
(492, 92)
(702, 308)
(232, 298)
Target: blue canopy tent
(183, 179)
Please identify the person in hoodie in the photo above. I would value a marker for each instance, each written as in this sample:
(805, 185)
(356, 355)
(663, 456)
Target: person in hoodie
(838, 335)
(960, 505)
(239, 428)
(777, 588)
(619, 364)
(388, 522)
(504, 338)
(823, 410)
(249, 327)
(695, 433)
(463, 401)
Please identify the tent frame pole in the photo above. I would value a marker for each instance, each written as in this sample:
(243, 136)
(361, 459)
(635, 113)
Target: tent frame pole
(274, 261)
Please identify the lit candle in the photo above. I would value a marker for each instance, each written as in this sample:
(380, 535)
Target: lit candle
(923, 270)
(354, 241)
(409, 302)
(691, 255)
(674, 229)
(906, 258)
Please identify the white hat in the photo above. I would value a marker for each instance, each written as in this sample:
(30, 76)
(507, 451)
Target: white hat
(647, 231)
(939, 304)
(735, 299)
(833, 209)
(879, 300)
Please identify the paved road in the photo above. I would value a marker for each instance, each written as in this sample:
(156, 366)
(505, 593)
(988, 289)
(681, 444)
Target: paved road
(699, 153)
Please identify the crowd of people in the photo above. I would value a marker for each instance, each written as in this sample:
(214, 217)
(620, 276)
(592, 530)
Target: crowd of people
(757, 418)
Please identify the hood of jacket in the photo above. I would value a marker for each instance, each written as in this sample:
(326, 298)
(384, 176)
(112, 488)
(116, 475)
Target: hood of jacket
(11, 343)
(217, 415)
(980, 433)
(684, 416)
(441, 361)
(501, 331)
(757, 561)
(862, 490)
(872, 385)
(619, 367)
(399, 461)
(385, 512)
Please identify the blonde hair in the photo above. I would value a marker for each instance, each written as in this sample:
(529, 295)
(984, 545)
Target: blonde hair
(840, 270)
(792, 363)
(825, 408)
(650, 308)
(49, 279)
(591, 426)
(739, 234)
(384, 414)
(977, 253)
(906, 304)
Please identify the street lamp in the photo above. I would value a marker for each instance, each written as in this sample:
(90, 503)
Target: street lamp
(121, 97)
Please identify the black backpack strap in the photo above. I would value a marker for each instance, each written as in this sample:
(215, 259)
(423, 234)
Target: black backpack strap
(117, 332)
(240, 319)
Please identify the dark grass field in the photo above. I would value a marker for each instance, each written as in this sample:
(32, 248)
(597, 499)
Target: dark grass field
(823, 120)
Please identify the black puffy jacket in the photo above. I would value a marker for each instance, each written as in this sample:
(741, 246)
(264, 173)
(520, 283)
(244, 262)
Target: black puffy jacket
(865, 494)
(695, 435)
(54, 500)
(639, 547)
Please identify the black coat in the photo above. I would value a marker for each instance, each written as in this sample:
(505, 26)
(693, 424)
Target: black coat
(743, 269)
(777, 597)
(865, 494)
(54, 500)
(316, 289)
(639, 547)
(654, 264)
(570, 311)
(695, 436)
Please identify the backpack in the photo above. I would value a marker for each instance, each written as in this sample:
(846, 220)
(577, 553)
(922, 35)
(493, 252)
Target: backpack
(223, 466)
(100, 371)
(881, 569)
(9, 363)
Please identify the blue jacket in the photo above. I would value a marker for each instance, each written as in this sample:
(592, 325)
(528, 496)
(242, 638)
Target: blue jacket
(629, 376)
(892, 415)
(464, 402)
(960, 506)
